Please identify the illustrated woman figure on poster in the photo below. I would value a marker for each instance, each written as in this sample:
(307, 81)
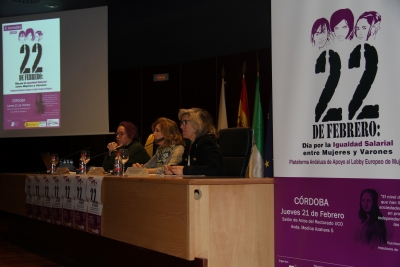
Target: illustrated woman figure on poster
(372, 230)
(367, 26)
(320, 33)
(21, 37)
(342, 24)
(39, 104)
(38, 36)
(30, 34)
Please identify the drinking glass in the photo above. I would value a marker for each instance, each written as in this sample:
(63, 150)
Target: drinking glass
(54, 161)
(85, 157)
(124, 154)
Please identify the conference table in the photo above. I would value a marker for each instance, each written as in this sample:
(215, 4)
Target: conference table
(215, 221)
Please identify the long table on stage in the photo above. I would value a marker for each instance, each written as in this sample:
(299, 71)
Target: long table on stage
(229, 221)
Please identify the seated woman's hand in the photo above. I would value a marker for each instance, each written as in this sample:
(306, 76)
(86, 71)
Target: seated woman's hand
(137, 165)
(178, 170)
(112, 146)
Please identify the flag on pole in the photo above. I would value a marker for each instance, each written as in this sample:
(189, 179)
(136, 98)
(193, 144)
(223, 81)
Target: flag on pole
(269, 152)
(256, 164)
(243, 115)
(222, 118)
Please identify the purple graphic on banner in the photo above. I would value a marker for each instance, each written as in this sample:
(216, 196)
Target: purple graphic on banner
(13, 27)
(94, 223)
(57, 216)
(68, 217)
(29, 111)
(357, 219)
(48, 214)
(80, 220)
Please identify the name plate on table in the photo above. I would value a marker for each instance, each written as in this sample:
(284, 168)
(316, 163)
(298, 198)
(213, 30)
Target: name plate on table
(96, 171)
(62, 170)
(136, 172)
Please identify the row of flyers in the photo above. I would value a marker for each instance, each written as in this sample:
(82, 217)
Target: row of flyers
(69, 200)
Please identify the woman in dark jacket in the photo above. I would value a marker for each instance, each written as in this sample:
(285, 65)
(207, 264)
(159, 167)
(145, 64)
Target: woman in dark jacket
(202, 155)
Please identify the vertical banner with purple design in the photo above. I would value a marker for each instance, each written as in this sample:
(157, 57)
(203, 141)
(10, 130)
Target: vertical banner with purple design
(336, 135)
(31, 74)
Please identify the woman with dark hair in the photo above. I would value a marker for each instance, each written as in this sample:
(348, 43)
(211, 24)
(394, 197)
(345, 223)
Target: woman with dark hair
(30, 34)
(373, 230)
(38, 36)
(202, 155)
(126, 137)
(170, 141)
(368, 24)
(21, 36)
(342, 24)
(320, 33)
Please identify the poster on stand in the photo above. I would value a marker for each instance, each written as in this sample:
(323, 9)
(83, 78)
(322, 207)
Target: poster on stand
(81, 203)
(67, 200)
(95, 206)
(336, 136)
(55, 193)
(29, 195)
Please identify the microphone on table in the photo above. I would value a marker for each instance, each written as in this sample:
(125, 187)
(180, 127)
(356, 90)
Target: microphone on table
(155, 141)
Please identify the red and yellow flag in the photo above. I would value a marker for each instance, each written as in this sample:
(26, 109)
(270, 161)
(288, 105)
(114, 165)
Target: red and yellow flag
(243, 115)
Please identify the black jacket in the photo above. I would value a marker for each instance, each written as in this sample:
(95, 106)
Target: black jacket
(205, 157)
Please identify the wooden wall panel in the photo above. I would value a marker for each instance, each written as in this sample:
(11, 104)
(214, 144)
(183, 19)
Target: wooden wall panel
(124, 97)
(199, 86)
(160, 99)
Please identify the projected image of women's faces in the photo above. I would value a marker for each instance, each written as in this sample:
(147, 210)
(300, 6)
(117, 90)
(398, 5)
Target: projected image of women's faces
(342, 30)
(35, 51)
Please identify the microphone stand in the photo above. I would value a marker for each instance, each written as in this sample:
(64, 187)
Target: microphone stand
(86, 148)
(155, 141)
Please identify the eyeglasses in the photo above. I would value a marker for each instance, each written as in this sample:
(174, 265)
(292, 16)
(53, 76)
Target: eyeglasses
(184, 122)
(119, 134)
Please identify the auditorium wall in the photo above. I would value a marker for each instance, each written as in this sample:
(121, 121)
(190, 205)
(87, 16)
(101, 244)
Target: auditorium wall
(135, 97)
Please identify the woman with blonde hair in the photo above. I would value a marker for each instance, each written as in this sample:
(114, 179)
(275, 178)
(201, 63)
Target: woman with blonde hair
(202, 155)
(170, 141)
